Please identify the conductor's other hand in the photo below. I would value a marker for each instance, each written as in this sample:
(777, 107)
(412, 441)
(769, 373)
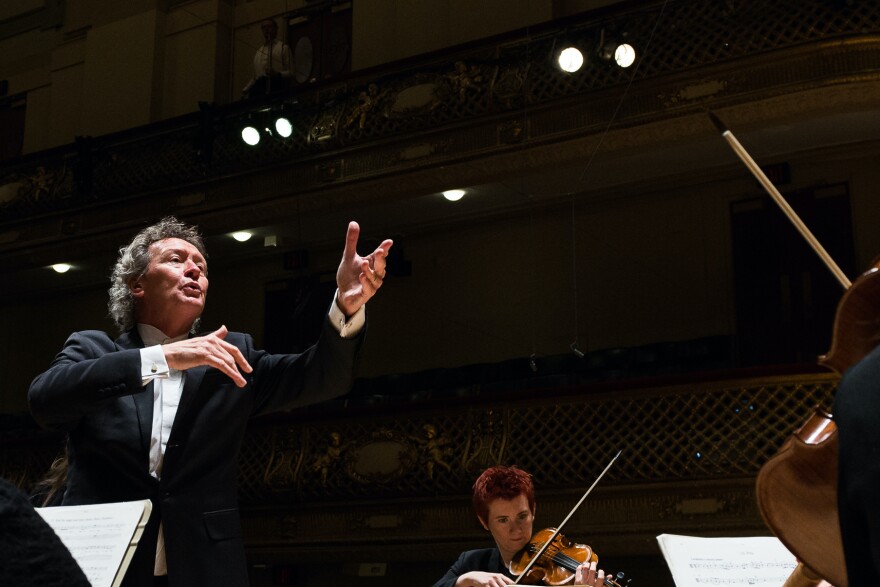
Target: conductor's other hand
(209, 350)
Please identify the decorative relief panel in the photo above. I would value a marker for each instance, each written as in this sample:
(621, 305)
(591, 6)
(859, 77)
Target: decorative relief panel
(665, 435)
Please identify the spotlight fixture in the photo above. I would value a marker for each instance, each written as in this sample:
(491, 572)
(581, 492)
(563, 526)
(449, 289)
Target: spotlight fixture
(624, 55)
(283, 126)
(250, 135)
(616, 49)
(242, 235)
(570, 59)
(61, 267)
(453, 195)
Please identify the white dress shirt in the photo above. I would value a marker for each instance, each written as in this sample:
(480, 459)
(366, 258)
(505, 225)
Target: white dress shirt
(168, 386)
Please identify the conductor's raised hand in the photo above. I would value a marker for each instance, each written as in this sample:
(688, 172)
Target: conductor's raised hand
(209, 350)
(359, 278)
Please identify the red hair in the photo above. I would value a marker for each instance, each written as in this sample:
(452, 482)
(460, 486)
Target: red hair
(501, 482)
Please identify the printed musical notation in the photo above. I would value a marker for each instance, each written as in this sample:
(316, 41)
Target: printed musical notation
(100, 537)
(759, 561)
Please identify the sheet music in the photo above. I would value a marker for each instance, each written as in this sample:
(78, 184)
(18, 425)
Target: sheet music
(760, 561)
(100, 537)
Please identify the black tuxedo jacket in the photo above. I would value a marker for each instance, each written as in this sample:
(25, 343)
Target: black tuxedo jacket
(484, 559)
(93, 391)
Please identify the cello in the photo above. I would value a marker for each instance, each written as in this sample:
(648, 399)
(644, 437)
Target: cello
(797, 488)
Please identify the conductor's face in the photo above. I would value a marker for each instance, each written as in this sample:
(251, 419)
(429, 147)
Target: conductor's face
(174, 286)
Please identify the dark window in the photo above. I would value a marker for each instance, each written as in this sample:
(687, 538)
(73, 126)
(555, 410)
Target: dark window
(320, 41)
(12, 115)
(786, 297)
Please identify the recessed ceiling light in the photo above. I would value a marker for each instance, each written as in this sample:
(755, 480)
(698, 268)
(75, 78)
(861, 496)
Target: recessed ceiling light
(453, 195)
(242, 235)
(61, 267)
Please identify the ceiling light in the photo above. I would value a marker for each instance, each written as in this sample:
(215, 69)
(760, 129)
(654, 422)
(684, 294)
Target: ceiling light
(570, 59)
(61, 267)
(242, 235)
(453, 195)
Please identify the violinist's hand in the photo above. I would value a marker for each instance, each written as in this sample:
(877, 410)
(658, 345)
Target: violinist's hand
(481, 579)
(587, 574)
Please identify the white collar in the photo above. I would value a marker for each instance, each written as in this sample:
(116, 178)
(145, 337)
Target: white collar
(153, 336)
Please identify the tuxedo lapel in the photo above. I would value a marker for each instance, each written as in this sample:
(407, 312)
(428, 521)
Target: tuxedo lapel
(192, 383)
(143, 400)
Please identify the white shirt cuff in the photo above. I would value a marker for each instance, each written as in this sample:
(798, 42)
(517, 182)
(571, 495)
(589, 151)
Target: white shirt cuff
(153, 364)
(347, 328)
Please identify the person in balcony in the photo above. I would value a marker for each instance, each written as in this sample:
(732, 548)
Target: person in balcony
(272, 64)
(160, 412)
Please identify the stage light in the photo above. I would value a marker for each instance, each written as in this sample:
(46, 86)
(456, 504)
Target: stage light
(242, 235)
(283, 127)
(453, 195)
(624, 55)
(614, 47)
(250, 135)
(570, 59)
(61, 267)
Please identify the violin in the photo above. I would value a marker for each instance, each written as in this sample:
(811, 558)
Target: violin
(557, 563)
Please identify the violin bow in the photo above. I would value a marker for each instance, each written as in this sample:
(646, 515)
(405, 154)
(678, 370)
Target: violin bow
(570, 514)
(780, 201)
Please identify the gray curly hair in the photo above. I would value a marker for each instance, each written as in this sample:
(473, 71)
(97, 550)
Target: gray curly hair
(133, 261)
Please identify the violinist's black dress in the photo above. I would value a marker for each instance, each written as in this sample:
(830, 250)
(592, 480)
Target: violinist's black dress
(484, 559)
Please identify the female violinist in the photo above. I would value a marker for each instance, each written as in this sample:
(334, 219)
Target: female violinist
(504, 501)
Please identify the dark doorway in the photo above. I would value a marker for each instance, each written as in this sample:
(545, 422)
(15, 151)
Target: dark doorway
(786, 296)
(12, 117)
(295, 312)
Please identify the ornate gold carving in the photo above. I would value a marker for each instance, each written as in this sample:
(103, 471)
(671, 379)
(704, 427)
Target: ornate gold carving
(381, 459)
(419, 151)
(284, 461)
(465, 80)
(434, 450)
(367, 101)
(325, 128)
(485, 443)
(328, 460)
(509, 86)
(419, 94)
